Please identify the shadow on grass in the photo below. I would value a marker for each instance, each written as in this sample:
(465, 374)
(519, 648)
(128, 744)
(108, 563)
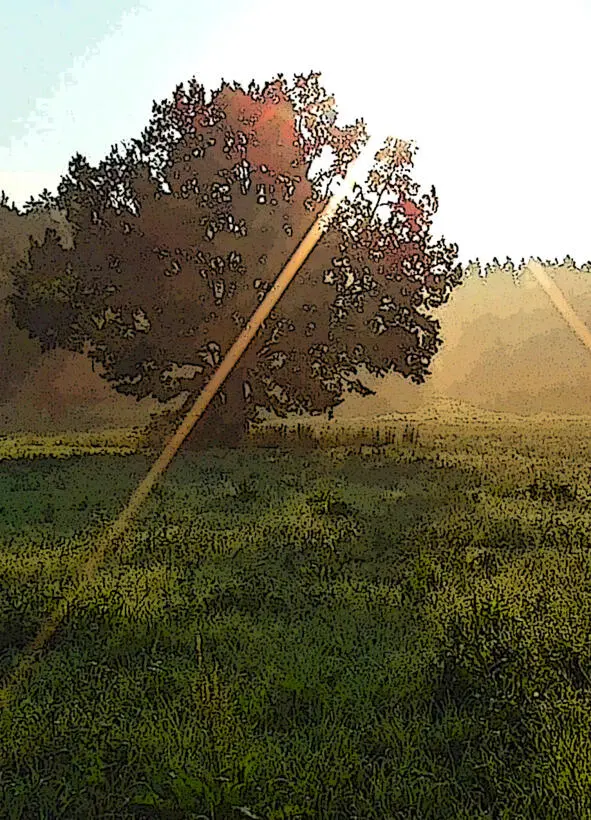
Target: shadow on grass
(62, 496)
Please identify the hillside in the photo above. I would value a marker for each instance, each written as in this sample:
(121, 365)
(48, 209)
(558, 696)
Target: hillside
(506, 350)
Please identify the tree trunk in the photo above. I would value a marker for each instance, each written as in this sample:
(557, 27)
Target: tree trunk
(222, 425)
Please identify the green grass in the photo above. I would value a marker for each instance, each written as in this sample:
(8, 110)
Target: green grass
(344, 631)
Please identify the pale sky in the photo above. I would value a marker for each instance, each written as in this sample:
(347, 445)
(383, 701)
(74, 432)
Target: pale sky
(495, 94)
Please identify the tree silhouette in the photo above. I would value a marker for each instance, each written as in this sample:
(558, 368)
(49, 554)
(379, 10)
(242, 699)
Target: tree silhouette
(179, 235)
(20, 354)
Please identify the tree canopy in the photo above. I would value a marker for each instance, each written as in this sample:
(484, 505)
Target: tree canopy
(21, 355)
(178, 235)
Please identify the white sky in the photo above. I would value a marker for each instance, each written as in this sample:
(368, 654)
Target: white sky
(495, 94)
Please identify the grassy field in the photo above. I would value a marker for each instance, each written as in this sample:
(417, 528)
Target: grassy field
(372, 624)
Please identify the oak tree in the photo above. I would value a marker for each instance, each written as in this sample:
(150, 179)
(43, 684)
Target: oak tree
(178, 235)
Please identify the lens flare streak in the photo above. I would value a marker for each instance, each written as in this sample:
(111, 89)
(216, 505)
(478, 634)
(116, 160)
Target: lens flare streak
(559, 301)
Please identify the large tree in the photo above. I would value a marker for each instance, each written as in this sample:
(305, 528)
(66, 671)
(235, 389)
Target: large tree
(178, 236)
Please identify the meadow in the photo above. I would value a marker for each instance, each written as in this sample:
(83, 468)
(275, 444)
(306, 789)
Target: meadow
(336, 622)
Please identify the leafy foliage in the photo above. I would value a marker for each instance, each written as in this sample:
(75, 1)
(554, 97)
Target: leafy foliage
(20, 354)
(180, 234)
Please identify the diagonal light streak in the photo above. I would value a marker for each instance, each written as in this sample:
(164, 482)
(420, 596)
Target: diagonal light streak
(357, 171)
(560, 302)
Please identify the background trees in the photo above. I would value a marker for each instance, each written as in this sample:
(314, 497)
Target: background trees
(178, 236)
(20, 354)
